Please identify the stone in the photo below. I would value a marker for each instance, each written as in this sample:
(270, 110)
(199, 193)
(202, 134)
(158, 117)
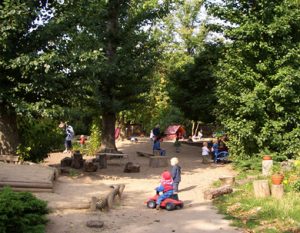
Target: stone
(89, 166)
(66, 162)
(95, 224)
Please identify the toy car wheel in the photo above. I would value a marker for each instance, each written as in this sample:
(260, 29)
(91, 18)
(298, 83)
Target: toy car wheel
(151, 204)
(170, 206)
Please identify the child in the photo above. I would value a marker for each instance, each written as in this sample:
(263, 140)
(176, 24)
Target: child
(176, 174)
(82, 140)
(156, 147)
(166, 187)
(205, 152)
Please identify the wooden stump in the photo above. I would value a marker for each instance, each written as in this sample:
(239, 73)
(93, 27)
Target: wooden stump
(66, 162)
(277, 191)
(261, 188)
(77, 160)
(156, 152)
(213, 193)
(227, 180)
(267, 167)
(144, 154)
(132, 167)
(89, 166)
(158, 161)
(102, 161)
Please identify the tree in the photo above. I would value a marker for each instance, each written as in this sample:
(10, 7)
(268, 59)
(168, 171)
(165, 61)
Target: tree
(258, 80)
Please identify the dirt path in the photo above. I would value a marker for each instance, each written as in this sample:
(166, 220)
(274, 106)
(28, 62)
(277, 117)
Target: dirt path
(131, 215)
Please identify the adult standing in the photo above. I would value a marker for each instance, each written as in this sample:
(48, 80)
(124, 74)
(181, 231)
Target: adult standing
(156, 131)
(69, 136)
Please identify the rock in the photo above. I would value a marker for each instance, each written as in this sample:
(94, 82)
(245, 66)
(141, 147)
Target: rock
(77, 160)
(132, 167)
(95, 224)
(66, 162)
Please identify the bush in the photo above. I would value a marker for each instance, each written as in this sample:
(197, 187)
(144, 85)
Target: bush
(21, 212)
(95, 139)
(38, 138)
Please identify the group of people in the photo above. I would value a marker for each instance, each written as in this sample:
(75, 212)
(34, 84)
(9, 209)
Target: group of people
(218, 146)
(169, 183)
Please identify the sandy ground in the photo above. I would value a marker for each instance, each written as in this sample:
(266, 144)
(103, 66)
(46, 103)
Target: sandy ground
(131, 214)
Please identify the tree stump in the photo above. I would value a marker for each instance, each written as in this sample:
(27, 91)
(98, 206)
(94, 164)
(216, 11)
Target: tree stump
(277, 191)
(66, 162)
(102, 161)
(261, 188)
(132, 167)
(213, 193)
(77, 160)
(227, 180)
(158, 161)
(267, 167)
(89, 166)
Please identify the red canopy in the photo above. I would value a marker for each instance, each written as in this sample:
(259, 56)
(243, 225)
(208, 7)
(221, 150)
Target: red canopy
(173, 130)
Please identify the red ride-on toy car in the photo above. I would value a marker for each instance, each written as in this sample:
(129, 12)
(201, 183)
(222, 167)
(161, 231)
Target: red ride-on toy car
(169, 204)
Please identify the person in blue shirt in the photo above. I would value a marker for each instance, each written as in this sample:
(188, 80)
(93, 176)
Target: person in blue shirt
(156, 146)
(166, 187)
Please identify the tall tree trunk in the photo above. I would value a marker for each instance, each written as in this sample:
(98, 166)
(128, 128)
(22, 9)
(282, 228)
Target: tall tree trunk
(108, 143)
(9, 138)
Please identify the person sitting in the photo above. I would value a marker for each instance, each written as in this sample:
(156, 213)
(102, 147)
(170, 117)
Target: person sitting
(166, 187)
(156, 146)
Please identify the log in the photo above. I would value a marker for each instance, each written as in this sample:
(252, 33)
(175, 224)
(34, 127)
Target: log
(77, 160)
(227, 180)
(267, 167)
(131, 167)
(107, 201)
(213, 193)
(89, 166)
(20, 189)
(144, 154)
(102, 160)
(20, 184)
(261, 188)
(277, 191)
(158, 161)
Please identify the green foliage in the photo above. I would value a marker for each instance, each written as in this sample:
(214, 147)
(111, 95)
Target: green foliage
(258, 79)
(38, 138)
(94, 142)
(261, 214)
(21, 212)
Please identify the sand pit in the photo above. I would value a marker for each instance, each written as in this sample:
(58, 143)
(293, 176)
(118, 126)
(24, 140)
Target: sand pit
(131, 214)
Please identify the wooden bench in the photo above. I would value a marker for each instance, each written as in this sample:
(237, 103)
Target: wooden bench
(9, 158)
(110, 156)
(144, 154)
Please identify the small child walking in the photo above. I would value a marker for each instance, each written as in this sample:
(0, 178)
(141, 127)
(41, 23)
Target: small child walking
(166, 187)
(176, 174)
(82, 140)
(205, 152)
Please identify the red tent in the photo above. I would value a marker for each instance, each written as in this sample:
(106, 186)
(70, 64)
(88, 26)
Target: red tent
(173, 130)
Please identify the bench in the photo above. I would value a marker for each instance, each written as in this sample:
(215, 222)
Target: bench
(110, 156)
(144, 154)
(9, 158)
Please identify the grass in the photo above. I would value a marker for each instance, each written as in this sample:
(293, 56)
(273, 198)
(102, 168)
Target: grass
(261, 215)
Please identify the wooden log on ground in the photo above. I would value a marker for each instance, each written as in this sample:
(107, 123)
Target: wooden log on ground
(213, 193)
(277, 191)
(26, 184)
(158, 161)
(34, 190)
(144, 154)
(227, 180)
(77, 160)
(131, 167)
(261, 188)
(89, 166)
(107, 201)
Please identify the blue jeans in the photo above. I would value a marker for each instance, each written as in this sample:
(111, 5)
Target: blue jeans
(164, 196)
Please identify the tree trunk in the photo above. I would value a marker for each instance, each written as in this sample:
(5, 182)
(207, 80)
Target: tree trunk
(9, 138)
(108, 143)
(261, 188)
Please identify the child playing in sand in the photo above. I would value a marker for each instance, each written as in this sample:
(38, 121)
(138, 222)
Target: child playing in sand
(166, 187)
(176, 174)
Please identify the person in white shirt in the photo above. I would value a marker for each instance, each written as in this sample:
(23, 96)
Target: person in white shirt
(205, 152)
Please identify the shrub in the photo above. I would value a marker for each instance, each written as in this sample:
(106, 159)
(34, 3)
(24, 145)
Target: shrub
(38, 138)
(21, 212)
(95, 138)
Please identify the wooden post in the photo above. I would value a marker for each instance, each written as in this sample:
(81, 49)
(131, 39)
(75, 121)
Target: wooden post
(102, 161)
(277, 191)
(93, 203)
(267, 167)
(261, 188)
(227, 180)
